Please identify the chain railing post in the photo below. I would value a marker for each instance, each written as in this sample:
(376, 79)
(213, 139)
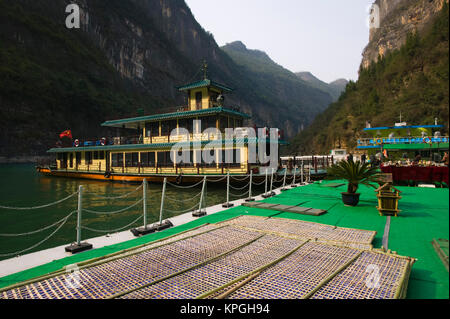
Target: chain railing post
(228, 204)
(201, 212)
(250, 198)
(293, 185)
(144, 200)
(284, 181)
(79, 246)
(163, 196)
(265, 195)
(79, 212)
(272, 193)
(302, 173)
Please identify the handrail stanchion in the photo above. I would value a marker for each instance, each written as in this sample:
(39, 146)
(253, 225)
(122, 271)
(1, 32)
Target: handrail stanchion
(271, 184)
(163, 196)
(227, 204)
(201, 213)
(284, 181)
(293, 185)
(144, 200)
(79, 246)
(159, 226)
(271, 193)
(265, 195)
(79, 210)
(302, 174)
(250, 199)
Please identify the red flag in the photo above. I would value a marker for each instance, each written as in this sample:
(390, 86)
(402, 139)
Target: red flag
(67, 133)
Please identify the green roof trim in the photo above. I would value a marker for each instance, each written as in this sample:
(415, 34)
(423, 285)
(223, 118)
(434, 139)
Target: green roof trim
(157, 145)
(204, 83)
(174, 115)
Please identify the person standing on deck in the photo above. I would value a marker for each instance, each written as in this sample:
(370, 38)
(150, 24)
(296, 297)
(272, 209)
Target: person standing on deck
(445, 159)
(363, 158)
(350, 157)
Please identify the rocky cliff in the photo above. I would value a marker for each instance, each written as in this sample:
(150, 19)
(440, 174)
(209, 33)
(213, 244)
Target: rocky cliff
(412, 80)
(397, 19)
(127, 59)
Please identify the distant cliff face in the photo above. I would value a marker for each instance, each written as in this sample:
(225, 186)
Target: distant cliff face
(126, 59)
(398, 18)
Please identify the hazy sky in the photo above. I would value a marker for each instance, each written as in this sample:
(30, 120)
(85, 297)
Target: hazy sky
(325, 37)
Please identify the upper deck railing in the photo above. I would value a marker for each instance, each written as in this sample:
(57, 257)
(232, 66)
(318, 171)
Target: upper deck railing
(401, 140)
(240, 133)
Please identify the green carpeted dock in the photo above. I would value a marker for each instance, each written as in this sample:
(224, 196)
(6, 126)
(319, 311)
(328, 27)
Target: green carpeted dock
(424, 217)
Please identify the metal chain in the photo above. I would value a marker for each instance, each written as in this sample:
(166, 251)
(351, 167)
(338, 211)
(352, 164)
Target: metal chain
(112, 230)
(42, 206)
(115, 197)
(239, 179)
(185, 187)
(183, 200)
(240, 188)
(37, 244)
(243, 194)
(39, 230)
(182, 211)
(258, 184)
(217, 180)
(114, 212)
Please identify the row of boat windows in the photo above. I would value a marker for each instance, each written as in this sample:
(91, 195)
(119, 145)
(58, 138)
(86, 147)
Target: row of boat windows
(88, 156)
(163, 159)
(150, 159)
(152, 129)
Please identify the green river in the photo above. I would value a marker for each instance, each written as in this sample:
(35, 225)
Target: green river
(22, 186)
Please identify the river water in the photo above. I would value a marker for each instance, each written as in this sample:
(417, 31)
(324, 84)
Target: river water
(22, 186)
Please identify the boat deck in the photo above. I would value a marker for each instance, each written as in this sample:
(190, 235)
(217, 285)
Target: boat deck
(424, 217)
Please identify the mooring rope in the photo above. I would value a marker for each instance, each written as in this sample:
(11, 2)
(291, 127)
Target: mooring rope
(42, 206)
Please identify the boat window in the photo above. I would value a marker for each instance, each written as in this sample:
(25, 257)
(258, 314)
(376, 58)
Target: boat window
(167, 127)
(131, 159)
(117, 159)
(152, 129)
(164, 159)
(223, 123)
(96, 155)
(187, 124)
(198, 100)
(101, 155)
(88, 158)
(78, 158)
(71, 160)
(148, 159)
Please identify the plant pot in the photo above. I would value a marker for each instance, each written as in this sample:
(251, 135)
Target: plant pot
(350, 199)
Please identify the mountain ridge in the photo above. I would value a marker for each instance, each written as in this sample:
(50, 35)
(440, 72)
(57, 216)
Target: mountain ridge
(127, 59)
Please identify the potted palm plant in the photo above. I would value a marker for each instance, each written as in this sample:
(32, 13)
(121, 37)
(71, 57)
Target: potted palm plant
(355, 173)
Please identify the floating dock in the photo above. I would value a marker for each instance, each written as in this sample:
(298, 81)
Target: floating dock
(251, 252)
